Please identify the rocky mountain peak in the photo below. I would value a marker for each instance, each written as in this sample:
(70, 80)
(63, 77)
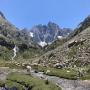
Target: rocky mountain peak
(53, 25)
(45, 34)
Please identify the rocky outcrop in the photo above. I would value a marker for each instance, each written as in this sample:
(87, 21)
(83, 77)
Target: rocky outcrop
(45, 35)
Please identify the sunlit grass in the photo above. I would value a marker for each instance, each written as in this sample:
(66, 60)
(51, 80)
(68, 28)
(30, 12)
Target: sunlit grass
(20, 80)
(62, 73)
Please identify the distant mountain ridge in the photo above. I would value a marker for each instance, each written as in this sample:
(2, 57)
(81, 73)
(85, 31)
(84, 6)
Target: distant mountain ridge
(46, 34)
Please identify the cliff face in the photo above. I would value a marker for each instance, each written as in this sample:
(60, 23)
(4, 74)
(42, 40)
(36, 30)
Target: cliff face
(44, 35)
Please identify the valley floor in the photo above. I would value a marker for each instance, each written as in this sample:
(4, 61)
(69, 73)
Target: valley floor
(65, 84)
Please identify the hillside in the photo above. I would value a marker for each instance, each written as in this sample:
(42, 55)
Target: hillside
(76, 51)
(11, 36)
(29, 43)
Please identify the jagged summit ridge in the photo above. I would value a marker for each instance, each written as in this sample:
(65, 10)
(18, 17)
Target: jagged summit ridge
(46, 34)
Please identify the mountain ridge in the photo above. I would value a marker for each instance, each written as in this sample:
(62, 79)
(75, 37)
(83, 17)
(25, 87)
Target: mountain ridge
(46, 34)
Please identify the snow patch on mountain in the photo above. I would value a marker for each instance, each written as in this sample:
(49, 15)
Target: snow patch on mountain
(68, 33)
(31, 34)
(59, 37)
(42, 43)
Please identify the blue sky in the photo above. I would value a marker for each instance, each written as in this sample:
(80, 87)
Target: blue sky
(27, 13)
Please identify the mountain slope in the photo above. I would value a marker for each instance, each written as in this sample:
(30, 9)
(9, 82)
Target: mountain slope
(31, 43)
(11, 36)
(82, 26)
(76, 51)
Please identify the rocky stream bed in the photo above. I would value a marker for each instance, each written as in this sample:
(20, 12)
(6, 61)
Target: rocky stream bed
(65, 84)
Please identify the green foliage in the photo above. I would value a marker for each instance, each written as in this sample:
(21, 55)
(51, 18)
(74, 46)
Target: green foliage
(20, 80)
(31, 53)
(46, 82)
(72, 52)
(10, 64)
(2, 83)
(5, 53)
(62, 73)
(2, 37)
(86, 77)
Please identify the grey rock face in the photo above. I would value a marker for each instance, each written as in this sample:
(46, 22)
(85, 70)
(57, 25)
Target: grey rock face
(48, 33)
